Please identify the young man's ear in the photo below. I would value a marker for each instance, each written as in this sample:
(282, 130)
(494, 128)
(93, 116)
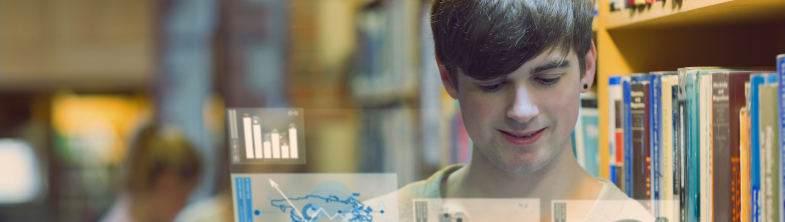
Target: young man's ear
(447, 81)
(591, 68)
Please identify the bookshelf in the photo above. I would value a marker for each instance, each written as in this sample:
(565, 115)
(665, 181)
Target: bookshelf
(681, 33)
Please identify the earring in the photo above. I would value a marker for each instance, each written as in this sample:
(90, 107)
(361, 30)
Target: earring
(585, 86)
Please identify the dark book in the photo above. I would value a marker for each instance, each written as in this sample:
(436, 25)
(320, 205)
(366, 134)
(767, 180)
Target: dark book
(641, 162)
(677, 152)
(728, 98)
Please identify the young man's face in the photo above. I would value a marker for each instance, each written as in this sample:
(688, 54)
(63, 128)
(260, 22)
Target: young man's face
(521, 121)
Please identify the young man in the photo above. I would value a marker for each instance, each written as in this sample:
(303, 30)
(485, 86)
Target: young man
(517, 67)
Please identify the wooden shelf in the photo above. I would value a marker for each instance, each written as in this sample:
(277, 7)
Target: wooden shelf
(681, 33)
(676, 13)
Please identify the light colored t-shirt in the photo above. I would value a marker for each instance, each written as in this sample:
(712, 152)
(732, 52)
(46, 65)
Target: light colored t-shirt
(611, 205)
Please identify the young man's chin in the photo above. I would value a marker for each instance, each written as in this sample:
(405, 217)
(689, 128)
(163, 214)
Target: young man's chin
(523, 162)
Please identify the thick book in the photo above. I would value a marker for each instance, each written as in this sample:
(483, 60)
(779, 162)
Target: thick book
(769, 158)
(729, 99)
(639, 92)
(687, 206)
(669, 168)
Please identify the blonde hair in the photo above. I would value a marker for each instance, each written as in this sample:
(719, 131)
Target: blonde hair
(154, 151)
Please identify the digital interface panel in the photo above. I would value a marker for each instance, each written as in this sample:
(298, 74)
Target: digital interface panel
(475, 209)
(315, 197)
(266, 135)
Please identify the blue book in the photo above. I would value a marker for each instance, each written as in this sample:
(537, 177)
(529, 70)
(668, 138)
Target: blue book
(693, 198)
(625, 83)
(755, 82)
(781, 105)
(655, 93)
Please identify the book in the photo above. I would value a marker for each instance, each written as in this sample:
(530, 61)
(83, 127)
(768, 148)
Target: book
(692, 183)
(669, 82)
(639, 95)
(704, 92)
(627, 127)
(615, 130)
(781, 126)
(744, 143)
(769, 158)
(655, 141)
(729, 99)
(755, 82)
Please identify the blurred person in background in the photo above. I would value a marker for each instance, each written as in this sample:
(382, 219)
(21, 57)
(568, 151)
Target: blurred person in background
(161, 171)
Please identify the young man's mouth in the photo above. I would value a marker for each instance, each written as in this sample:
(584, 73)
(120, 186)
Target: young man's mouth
(522, 138)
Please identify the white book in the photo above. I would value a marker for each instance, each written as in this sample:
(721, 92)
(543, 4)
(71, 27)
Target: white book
(669, 210)
(705, 107)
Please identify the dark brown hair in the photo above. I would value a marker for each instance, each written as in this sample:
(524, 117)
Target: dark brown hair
(489, 38)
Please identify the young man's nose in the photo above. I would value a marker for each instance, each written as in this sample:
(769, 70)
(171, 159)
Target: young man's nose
(523, 108)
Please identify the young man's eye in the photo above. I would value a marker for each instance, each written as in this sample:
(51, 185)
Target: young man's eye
(548, 81)
(491, 88)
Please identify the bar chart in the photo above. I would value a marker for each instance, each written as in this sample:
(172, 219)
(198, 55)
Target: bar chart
(269, 135)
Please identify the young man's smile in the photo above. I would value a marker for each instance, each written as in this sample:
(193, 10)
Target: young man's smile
(524, 138)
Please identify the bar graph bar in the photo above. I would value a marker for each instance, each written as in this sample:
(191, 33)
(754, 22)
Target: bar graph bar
(293, 141)
(248, 137)
(268, 153)
(284, 151)
(276, 141)
(257, 137)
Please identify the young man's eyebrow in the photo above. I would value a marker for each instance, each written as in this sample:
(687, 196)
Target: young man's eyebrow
(555, 64)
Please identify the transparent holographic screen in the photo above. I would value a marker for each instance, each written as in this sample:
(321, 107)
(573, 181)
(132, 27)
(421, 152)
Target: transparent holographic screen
(266, 135)
(479, 209)
(317, 197)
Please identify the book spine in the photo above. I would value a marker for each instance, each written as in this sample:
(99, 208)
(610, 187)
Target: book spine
(655, 105)
(628, 172)
(619, 136)
(678, 144)
(692, 136)
(738, 101)
(755, 141)
(769, 158)
(647, 146)
(705, 94)
(781, 126)
(684, 206)
(639, 121)
(668, 164)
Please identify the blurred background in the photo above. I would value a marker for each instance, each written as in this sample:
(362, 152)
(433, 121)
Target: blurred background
(78, 78)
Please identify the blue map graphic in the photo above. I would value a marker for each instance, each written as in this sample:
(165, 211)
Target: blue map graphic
(329, 200)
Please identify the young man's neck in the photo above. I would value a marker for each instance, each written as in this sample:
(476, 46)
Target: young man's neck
(562, 178)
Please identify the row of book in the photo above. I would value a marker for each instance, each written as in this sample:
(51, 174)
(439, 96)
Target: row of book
(701, 143)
